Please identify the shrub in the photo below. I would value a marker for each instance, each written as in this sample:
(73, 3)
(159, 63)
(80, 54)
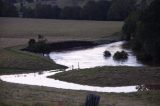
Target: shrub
(120, 55)
(107, 53)
(31, 42)
(38, 47)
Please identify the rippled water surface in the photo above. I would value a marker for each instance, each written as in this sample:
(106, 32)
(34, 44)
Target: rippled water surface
(78, 58)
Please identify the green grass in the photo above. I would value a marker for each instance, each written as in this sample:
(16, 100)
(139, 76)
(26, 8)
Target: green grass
(112, 76)
(25, 95)
(65, 29)
(15, 61)
(18, 31)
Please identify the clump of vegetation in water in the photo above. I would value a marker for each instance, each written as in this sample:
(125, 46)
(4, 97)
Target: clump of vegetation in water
(39, 46)
(120, 55)
(107, 53)
(42, 46)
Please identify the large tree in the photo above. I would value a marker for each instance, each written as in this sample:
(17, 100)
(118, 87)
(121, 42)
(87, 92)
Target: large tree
(7, 9)
(147, 33)
(95, 10)
(120, 9)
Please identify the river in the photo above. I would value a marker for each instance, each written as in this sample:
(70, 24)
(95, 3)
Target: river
(85, 58)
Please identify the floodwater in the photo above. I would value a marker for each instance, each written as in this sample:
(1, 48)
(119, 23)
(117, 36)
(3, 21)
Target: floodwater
(93, 57)
(86, 58)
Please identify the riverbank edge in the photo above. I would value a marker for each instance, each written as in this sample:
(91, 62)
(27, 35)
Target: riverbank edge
(47, 47)
(30, 68)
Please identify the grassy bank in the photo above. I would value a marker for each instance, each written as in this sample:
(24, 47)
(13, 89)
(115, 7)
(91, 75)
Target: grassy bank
(24, 95)
(13, 60)
(112, 76)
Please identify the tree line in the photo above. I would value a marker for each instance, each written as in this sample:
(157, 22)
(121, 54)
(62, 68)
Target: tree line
(142, 30)
(92, 10)
(7, 9)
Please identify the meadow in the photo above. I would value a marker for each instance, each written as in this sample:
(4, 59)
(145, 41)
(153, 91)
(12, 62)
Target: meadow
(16, 31)
(14, 35)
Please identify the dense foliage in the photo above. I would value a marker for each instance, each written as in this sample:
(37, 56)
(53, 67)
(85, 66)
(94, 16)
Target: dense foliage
(92, 10)
(41, 45)
(120, 55)
(143, 30)
(120, 9)
(7, 9)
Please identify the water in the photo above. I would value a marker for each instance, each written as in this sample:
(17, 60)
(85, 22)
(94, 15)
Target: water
(87, 58)
(94, 57)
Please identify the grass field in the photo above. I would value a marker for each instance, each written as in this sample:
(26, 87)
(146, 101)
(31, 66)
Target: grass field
(24, 95)
(112, 76)
(17, 31)
(57, 28)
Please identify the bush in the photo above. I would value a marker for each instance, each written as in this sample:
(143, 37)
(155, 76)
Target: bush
(107, 53)
(120, 55)
(31, 42)
(38, 47)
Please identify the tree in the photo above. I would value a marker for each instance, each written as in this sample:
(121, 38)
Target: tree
(56, 11)
(89, 11)
(30, 1)
(44, 11)
(76, 12)
(28, 13)
(95, 10)
(7, 9)
(31, 42)
(130, 25)
(1, 7)
(148, 31)
(103, 8)
(146, 34)
(120, 9)
(67, 13)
